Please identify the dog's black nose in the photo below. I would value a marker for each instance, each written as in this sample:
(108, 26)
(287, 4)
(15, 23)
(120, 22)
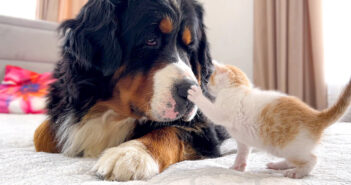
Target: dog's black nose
(180, 95)
(183, 86)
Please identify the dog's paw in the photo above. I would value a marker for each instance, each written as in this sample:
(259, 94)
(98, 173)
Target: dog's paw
(128, 161)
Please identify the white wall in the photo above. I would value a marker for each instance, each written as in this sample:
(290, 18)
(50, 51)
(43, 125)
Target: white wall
(230, 32)
(18, 8)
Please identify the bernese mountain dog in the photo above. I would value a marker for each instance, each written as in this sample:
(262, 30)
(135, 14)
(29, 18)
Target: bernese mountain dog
(121, 88)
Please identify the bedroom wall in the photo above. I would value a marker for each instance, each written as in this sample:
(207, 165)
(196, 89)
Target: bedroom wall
(28, 44)
(230, 32)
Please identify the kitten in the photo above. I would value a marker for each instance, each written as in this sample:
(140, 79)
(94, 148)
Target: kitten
(277, 123)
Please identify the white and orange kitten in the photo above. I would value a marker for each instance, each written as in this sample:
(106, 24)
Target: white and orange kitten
(277, 123)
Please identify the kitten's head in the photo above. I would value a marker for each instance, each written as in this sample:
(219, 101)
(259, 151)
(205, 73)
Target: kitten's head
(226, 76)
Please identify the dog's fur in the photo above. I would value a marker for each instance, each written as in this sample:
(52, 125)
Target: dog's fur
(280, 124)
(122, 83)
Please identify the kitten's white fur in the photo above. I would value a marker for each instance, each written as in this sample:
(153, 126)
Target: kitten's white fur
(239, 108)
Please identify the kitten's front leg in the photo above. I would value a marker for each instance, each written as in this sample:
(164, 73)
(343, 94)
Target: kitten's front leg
(195, 95)
(241, 158)
(205, 105)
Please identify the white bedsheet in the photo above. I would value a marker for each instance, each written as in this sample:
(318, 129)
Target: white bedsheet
(19, 164)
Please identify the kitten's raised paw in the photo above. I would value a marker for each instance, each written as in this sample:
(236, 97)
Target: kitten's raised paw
(194, 93)
(295, 174)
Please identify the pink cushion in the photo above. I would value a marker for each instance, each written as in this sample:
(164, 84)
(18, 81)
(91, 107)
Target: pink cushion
(24, 91)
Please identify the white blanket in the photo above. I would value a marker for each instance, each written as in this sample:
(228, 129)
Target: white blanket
(19, 164)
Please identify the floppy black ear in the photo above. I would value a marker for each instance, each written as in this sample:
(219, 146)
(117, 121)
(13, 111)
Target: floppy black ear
(203, 55)
(91, 39)
(205, 60)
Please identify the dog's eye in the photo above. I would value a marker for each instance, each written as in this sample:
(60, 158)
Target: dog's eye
(151, 42)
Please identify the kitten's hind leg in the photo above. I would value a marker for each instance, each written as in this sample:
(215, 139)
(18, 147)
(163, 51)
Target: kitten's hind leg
(303, 167)
(282, 165)
(241, 158)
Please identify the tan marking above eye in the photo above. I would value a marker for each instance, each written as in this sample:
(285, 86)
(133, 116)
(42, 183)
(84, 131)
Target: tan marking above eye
(166, 25)
(187, 37)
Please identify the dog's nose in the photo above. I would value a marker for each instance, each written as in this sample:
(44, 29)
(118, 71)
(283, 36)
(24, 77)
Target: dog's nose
(183, 87)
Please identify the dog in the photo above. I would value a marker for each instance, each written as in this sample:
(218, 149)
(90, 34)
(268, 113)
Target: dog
(121, 88)
(274, 122)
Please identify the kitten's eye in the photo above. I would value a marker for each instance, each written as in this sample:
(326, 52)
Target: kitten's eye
(151, 42)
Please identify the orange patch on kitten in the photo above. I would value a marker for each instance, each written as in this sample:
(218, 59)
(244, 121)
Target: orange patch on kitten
(283, 119)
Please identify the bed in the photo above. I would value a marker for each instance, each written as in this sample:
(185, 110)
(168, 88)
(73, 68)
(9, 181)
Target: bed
(20, 164)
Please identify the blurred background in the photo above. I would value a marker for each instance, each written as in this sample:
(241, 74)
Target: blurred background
(301, 47)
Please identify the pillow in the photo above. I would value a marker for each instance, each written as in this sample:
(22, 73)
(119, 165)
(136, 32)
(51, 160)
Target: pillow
(24, 91)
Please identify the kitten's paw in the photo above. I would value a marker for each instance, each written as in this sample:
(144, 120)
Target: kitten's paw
(240, 167)
(295, 173)
(273, 166)
(194, 93)
(283, 165)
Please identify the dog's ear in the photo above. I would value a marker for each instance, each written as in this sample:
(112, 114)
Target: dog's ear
(203, 57)
(205, 60)
(91, 39)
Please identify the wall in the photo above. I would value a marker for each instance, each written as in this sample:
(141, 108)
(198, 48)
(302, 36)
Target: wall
(230, 32)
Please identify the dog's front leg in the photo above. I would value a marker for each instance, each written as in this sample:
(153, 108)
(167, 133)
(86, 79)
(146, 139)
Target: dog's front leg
(142, 158)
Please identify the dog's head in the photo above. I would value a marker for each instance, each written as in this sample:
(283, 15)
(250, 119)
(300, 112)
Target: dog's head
(152, 51)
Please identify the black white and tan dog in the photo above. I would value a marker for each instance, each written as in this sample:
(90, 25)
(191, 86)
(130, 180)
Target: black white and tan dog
(121, 88)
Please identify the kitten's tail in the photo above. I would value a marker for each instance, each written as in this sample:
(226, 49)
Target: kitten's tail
(332, 114)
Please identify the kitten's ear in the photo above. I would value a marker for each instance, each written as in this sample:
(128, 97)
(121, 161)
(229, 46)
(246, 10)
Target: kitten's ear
(219, 68)
(222, 70)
